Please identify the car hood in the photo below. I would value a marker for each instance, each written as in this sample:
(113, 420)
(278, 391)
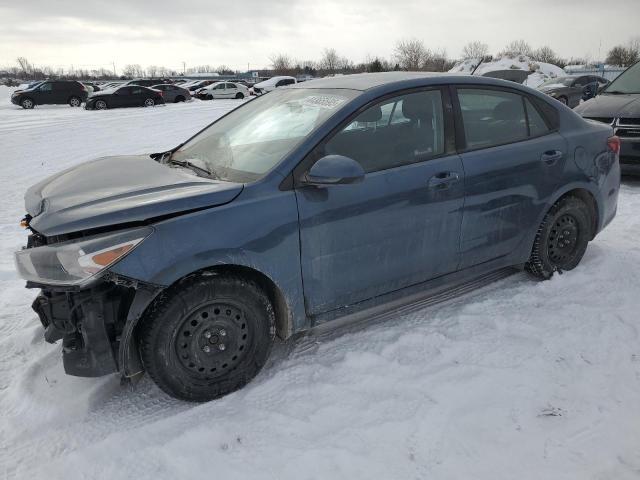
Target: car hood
(116, 190)
(611, 106)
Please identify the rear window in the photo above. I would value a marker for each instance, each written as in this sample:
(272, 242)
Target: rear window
(495, 117)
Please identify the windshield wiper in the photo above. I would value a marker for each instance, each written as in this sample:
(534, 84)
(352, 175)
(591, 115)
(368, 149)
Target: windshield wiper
(196, 168)
(615, 92)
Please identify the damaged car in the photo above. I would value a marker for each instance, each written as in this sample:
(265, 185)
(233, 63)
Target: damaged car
(337, 198)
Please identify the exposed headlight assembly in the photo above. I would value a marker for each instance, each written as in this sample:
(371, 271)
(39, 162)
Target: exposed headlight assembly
(77, 262)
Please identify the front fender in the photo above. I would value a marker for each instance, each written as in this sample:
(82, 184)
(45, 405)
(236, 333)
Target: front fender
(254, 231)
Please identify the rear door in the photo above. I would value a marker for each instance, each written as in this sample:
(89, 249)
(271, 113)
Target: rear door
(513, 158)
(231, 90)
(401, 225)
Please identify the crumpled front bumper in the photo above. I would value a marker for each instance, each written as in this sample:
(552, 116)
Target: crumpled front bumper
(89, 323)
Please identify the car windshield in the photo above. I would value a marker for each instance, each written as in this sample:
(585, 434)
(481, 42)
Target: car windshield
(627, 82)
(566, 81)
(248, 142)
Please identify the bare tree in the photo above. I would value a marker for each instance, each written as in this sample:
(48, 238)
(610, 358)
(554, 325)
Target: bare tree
(152, 71)
(330, 60)
(411, 54)
(517, 47)
(281, 63)
(24, 65)
(622, 56)
(132, 70)
(544, 54)
(475, 50)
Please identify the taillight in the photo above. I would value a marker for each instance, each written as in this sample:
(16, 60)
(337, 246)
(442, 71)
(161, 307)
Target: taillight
(613, 144)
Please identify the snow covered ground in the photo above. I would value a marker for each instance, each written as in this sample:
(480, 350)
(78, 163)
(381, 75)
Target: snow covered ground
(519, 380)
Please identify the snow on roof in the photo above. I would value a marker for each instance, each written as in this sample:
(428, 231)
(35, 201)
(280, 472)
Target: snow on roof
(540, 71)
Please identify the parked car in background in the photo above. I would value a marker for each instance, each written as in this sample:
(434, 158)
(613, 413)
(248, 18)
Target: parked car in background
(147, 82)
(571, 89)
(373, 191)
(272, 84)
(195, 86)
(173, 93)
(94, 86)
(51, 92)
(127, 96)
(223, 90)
(618, 105)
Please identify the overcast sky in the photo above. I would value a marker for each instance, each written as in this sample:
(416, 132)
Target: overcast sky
(237, 33)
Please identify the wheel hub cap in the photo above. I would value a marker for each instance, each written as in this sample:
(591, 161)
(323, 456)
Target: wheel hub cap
(212, 340)
(563, 240)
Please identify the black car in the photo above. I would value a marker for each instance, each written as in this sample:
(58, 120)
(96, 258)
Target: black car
(127, 96)
(573, 88)
(619, 106)
(51, 92)
(148, 82)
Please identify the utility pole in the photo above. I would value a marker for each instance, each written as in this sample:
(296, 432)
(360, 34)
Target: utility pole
(184, 68)
(114, 68)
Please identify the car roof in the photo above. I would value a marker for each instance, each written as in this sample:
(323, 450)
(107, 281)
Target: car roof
(367, 81)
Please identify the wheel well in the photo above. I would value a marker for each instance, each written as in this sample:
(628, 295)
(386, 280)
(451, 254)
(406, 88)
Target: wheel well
(590, 202)
(283, 316)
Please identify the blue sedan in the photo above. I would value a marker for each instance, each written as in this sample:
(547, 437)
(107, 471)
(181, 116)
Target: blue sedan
(328, 199)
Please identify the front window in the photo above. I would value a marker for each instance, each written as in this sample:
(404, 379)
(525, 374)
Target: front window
(251, 140)
(627, 82)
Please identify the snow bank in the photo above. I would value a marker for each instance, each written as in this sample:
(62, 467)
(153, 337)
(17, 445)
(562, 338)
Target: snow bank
(520, 380)
(540, 71)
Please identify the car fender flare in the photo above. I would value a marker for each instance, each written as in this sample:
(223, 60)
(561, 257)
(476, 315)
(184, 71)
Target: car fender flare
(561, 192)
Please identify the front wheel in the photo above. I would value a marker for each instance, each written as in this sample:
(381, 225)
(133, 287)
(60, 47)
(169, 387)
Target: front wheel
(100, 105)
(149, 102)
(207, 336)
(562, 238)
(27, 103)
(563, 100)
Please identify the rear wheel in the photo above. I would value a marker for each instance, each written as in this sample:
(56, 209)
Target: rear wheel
(562, 238)
(149, 102)
(179, 98)
(27, 103)
(100, 105)
(207, 336)
(75, 101)
(239, 95)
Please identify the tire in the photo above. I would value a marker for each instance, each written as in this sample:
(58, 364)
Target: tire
(239, 95)
(178, 99)
(562, 238)
(149, 102)
(209, 97)
(563, 100)
(75, 102)
(207, 336)
(100, 105)
(27, 103)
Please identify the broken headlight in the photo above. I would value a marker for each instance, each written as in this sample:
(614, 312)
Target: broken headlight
(77, 262)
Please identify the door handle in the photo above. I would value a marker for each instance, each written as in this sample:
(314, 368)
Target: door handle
(551, 156)
(443, 180)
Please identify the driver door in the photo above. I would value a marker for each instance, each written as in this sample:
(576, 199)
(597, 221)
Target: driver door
(401, 225)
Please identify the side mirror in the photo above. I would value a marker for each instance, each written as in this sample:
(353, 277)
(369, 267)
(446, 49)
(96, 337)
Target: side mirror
(334, 170)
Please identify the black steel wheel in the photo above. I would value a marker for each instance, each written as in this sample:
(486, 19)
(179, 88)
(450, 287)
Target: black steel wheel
(562, 238)
(207, 336)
